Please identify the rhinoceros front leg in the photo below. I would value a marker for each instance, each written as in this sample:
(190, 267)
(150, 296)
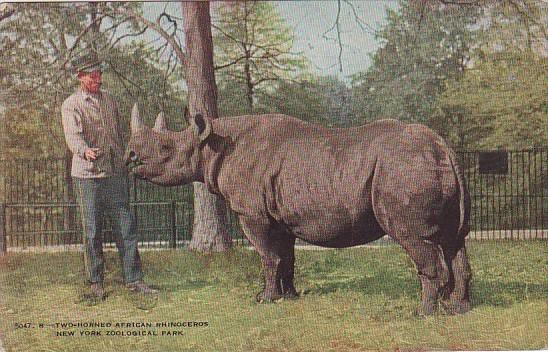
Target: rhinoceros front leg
(276, 249)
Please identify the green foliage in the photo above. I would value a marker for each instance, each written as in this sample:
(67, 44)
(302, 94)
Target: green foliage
(252, 47)
(299, 99)
(514, 26)
(476, 74)
(323, 100)
(134, 76)
(33, 84)
(501, 102)
(424, 44)
(231, 99)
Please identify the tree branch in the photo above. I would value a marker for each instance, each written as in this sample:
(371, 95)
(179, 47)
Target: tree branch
(462, 2)
(79, 38)
(141, 32)
(361, 23)
(336, 26)
(125, 79)
(527, 17)
(339, 35)
(6, 10)
(229, 36)
(158, 29)
(220, 67)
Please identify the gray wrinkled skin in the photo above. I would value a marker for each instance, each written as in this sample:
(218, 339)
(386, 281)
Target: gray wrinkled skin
(289, 179)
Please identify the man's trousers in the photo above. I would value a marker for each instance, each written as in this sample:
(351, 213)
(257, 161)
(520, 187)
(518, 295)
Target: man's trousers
(98, 197)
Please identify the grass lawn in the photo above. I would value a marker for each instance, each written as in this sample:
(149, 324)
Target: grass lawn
(352, 300)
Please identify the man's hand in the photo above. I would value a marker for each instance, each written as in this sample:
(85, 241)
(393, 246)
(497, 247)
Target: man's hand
(92, 154)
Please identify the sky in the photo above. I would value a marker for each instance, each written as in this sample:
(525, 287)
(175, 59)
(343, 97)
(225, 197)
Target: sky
(311, 20)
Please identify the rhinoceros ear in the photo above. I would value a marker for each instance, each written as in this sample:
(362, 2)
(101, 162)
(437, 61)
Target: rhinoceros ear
(201, 126)
(136, 123)
(186, 114)
(160, 124)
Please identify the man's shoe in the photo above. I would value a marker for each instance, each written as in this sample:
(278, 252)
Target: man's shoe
(97, 290)
(140, 287)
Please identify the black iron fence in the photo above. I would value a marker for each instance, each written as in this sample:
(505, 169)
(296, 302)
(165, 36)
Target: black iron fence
(509, 192)
(38, 209)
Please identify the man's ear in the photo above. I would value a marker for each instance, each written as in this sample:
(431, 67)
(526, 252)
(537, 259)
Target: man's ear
(202, 127)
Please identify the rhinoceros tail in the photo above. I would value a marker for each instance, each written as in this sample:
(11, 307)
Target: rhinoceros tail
(464, 196)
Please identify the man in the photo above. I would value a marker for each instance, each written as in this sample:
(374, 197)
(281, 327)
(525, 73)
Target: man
(91, 123)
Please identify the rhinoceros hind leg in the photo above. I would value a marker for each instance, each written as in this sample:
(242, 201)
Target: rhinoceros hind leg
(432, 271)
(458, 300)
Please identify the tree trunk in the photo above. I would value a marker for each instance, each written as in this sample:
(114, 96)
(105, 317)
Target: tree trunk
(93, 18)
(247, 67)
(210, 221)
(249, 86)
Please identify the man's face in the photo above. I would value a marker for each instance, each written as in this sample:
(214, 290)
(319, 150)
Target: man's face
(91, 81)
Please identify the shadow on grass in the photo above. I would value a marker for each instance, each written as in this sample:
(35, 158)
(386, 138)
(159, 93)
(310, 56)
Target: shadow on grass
(504, 294)
(391, 286)
(484, 292)
(234, 268)
(394, 285)
(182, 284)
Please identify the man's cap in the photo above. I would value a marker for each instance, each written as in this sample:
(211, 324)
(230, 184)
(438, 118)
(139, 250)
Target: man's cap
(87, 62)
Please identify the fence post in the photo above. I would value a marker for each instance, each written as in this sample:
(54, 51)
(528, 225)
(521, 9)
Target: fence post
(69, 213)
(173, 225)
(3, 239)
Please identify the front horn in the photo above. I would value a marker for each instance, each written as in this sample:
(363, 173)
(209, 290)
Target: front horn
(136, 123)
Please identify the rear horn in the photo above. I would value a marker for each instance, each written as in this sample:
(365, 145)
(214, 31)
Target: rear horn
(160, 124)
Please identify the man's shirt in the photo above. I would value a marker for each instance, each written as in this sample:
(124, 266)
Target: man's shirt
(93, 121)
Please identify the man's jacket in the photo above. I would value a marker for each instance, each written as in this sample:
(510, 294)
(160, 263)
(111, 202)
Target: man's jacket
(93, 121)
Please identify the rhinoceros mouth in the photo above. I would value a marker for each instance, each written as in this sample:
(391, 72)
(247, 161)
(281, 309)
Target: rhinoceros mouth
(144, 171)
(135, 166)
(139, 172)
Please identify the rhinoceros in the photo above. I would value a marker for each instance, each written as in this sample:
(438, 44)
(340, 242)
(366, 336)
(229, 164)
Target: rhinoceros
(287, 179)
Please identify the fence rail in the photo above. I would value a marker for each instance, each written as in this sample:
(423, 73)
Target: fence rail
(509, 193)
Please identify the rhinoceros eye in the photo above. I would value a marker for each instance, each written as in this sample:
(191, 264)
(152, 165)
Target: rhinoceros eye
(165, 148)
(133, 156)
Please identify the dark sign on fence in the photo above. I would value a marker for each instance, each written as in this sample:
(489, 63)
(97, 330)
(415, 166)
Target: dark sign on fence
(494, 162)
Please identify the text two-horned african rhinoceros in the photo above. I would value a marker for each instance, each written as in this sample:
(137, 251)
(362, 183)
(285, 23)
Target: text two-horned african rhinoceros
(287, 179)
